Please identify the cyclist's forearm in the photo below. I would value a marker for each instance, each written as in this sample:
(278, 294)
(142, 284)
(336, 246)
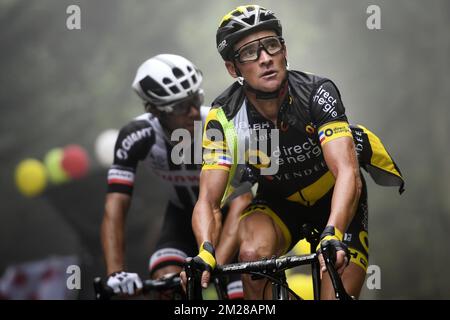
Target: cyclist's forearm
(207, 218)
(340, 156)
(113, 233)
(206, 222)
(347, 191)
(113, 246)
(228, 243)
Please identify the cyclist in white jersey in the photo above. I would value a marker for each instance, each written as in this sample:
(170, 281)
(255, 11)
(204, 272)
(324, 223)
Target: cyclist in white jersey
(170, 87)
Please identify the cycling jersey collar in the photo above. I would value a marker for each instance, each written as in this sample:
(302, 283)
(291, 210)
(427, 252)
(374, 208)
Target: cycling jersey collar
(254, 114)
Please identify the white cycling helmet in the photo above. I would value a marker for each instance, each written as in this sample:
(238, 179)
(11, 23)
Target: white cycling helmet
(167, 79)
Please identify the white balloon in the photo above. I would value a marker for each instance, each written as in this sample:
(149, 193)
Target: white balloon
(104, 147)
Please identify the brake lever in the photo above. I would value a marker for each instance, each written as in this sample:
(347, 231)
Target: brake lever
(329, 255)
(102, 292)
(193, 287)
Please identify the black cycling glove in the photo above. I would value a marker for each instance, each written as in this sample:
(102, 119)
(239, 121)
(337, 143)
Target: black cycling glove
(334, 237)
(206, 259)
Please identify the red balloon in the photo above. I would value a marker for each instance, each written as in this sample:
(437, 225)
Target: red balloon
(75, 161)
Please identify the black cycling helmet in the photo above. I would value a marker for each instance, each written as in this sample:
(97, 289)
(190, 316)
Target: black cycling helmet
(242, 21)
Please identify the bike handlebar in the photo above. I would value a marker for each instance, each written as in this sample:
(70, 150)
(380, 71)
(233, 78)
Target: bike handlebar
(269, 267)
(266, 266)
(272, 265)
(104, 292)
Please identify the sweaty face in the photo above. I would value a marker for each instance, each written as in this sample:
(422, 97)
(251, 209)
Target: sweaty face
(268, 71)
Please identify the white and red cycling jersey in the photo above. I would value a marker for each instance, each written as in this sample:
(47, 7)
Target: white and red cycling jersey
(143, 140)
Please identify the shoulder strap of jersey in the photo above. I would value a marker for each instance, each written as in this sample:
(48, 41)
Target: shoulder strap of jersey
(231, 138)
(230, 100)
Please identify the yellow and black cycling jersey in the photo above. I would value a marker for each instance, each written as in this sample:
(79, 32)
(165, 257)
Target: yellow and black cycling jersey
(237, 135)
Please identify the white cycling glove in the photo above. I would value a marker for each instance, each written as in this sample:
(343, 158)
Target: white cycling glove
(124, 282)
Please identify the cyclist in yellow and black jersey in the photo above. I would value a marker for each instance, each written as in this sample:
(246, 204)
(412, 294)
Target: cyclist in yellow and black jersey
(289, 130)
(302, 174)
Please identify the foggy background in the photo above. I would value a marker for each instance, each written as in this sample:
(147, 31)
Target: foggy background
(60, 86)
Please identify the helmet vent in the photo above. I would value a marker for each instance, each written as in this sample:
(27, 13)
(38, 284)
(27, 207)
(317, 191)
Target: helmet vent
(150, 85)
(174, 89)
(194, 79)
(185, 84)
(250, 20)
(189, 69)
(177, 73)
(166, 81)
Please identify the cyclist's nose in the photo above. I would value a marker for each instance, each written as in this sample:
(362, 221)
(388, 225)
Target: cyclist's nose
(264, 57)
(194, 111)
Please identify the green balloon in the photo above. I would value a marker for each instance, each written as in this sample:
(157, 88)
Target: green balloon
(53, 163)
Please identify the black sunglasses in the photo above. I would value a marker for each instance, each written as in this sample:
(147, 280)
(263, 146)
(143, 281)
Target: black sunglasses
(184, 106)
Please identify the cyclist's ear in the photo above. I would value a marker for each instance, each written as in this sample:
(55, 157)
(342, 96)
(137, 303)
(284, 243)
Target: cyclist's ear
(151, 109)
(231, 68)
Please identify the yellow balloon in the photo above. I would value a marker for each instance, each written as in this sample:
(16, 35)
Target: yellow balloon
(31, 177)
(302, 285)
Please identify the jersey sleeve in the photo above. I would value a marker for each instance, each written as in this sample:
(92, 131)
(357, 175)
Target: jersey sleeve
(216, 154)
(328, 113)
(133, 144)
